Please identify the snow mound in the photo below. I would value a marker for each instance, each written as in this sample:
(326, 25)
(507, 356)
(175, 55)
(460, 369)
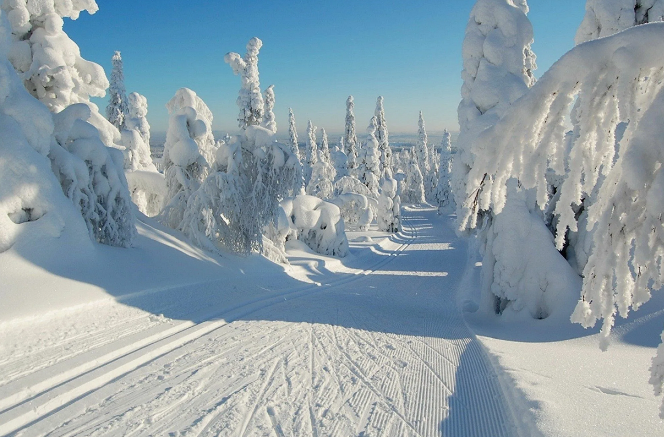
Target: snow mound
(314, 222)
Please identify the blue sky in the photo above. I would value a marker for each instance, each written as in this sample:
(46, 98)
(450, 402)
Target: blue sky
(315, 53)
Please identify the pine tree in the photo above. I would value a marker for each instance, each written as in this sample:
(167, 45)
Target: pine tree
(117, 109)
(350, 137)
(250, 99)
(269, 119)
(421, 150)
(444, 197)
(382, 135)
(369, 168)
(324, 147)
(311, 152)
(295, 150)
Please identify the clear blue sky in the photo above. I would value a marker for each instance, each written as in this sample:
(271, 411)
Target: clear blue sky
(315, 53)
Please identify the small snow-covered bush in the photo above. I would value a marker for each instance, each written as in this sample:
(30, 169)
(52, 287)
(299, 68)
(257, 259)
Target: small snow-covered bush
(355, 210)
(148, 191)
(92, 177)
(137, 117)
(388, 218)
(316, 223)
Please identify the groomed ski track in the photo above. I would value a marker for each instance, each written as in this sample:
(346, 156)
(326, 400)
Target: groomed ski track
(383, 351)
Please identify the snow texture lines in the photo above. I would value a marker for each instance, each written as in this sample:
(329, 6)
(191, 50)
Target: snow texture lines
(368, 354)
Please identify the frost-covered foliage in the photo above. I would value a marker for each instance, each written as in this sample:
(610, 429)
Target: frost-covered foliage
(185, 166)
(32, 203)
(369, 169)
(322, 180)
(388, 218)
(311, 152)
(350, 137)
(47, 60)
(324, 149)
(117, 108)
(356, 210)
(148, 191)
(339, 160)
(250, 99)
(92, 177)
(323, 172)
(350, 184)
(604, 18)
(137, 117)
(610, 163)
(444, 198)
(295, 150)
(382, 135)
(316, 223)
(498, 66)
(269, 119)
(239, 199)
(426, 160)
(527, 273)
(412, 189)
(137, 153)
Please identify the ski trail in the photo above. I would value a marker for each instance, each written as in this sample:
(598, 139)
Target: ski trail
(381, 353)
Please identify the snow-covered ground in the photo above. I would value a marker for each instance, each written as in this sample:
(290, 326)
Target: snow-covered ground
(162, 339)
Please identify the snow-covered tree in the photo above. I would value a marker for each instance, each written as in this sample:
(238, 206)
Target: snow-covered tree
(369, 169)
(137, 119)
(117, 108)
(412, 190)
(605, 18)
(250, 99)
(339, 159)
(425, 160)
(622, 191)
(350, 137)
(324, 149)
(184, 163)
(269, 119)
(321, 183)
(311, 150)
(33, 205)
(240, 197)
(49, 62)
(388, 216)
(444, 198)
(295, 150)
(382, 135)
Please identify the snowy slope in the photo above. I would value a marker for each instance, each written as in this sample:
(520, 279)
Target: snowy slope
(176, 342)
(368, 344)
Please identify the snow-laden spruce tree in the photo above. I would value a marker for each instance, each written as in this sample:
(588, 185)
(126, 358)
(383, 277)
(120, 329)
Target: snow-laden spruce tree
(250, 100)
(117, 108)
(240, 198)
(350, 137)
(388, 217)
(498, 66)
(53, 71)
(444, 198)
(605, 18)
(622, 190)
(423, 157)
(185, 166)
(295, 150)
(269, 119)
(412, 189)
(323, 173)
(311, 151)
(339, 159)
(33, 207)
(324, 148)
(137, 106)
(369, 169)
(382, 135)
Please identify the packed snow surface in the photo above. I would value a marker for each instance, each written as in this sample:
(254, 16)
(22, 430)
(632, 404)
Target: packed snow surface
(162, 339)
